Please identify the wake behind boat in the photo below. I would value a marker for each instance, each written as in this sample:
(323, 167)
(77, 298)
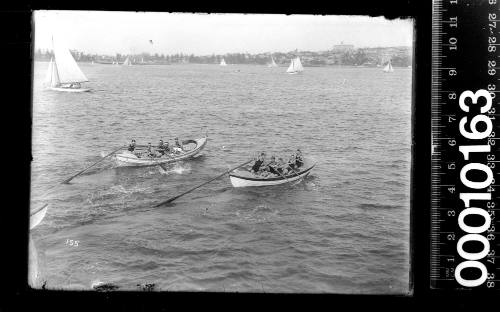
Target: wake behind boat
(63, 73)
(140, 156)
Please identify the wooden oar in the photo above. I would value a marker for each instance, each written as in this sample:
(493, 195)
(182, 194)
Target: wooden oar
(161, 165)
(194, 188)
(32, 213)
(293, 170)
(74, 176)
(282, 175)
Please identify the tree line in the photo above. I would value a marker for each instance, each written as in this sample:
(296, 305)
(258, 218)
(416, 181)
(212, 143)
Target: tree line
(366, 57)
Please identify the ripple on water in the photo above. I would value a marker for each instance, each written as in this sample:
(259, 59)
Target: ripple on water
(326, 233)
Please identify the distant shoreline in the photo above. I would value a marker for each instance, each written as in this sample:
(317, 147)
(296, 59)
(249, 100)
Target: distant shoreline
(216, 64)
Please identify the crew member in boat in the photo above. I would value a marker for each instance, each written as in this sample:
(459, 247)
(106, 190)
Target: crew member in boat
(258, 162)
(166, 147)
(131, 146)
(149, 150)
(161, 148)
(282, 166)
(273, 166)
(292, 161)
(178, 146)
(299, 160)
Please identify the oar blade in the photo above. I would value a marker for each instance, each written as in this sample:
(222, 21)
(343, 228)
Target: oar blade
(198, 186)
(102, 159)
(168, 201)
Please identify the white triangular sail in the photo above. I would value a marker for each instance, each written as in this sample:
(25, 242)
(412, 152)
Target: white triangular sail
(127, 62)
(295, 66)
(52, 78)
(66, 67)
(48, 77)
(273, 63)
(298, 65)
(223, 63)
(388, 68)
(290, 68)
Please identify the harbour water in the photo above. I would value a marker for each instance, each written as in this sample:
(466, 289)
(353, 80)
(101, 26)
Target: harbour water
(344, 229)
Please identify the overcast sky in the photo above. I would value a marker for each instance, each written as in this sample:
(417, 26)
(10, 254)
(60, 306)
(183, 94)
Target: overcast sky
(203, 34)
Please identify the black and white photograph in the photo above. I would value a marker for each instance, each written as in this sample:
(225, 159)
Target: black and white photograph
(195, 152)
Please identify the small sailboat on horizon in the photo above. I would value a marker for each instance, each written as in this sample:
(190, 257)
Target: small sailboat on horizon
(273, 63)
(388, 68)
(295, 66)
(223, 63)
(127, 62)
(63, 73)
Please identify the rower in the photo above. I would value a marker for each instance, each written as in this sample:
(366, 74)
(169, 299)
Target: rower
(273, 166)
(298, 158)
(178, 145)
(131, 147)
(149, 150)
(166, 147)
(258, 162)
(282, 166)
(161, 148)
(292, 161)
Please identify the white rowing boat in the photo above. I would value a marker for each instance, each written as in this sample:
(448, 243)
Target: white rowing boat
(37, 216)
(190, 149)
(245, 177)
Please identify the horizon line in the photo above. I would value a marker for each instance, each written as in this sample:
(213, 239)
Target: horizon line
(184, 53)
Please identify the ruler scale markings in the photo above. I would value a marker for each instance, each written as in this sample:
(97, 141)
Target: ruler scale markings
(455, 40)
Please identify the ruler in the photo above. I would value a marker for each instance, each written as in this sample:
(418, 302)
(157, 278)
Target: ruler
(465, 158)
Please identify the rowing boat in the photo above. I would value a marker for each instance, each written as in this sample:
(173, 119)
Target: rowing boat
(190, 149)
(37, 216)
(245, 177)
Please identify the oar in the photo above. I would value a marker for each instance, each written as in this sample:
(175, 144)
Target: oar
(161, 165)
(282, 175)
(293, 170)
(71, 178)
(194, 188)
(32, 213)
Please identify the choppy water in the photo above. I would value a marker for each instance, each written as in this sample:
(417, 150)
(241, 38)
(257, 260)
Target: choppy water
(345, 229)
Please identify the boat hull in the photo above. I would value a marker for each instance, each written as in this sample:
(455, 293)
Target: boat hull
(72, 90)
(247, 179)
(37, 216)
(129, 159)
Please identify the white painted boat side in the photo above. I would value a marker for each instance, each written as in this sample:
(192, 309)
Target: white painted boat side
(38, 216)
(128, 159)
(238, 182)
(74, 90)
(243, 177)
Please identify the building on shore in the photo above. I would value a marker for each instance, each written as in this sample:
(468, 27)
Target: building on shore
(342, 48)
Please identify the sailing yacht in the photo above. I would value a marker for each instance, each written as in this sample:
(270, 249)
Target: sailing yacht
(273, 63)
(388, 68)
(223, 63)
(127, 62)
(295, 66)
(63, 73)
